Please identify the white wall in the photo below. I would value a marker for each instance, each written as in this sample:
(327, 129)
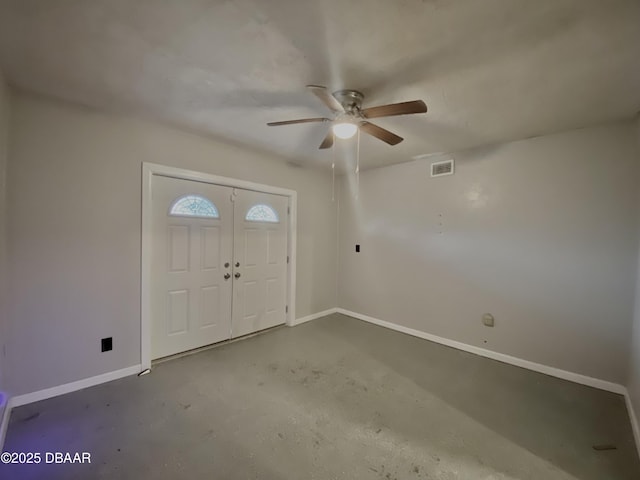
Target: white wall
(542, 233)
(4, 140)
(633, 384)
(74, 233)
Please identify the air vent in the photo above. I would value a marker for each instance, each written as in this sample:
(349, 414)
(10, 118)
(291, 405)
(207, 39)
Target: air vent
(439, 169)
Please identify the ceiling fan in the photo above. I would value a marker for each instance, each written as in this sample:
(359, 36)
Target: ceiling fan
(349, 116)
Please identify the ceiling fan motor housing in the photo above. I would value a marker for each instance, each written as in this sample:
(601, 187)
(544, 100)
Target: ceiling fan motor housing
(351, 100)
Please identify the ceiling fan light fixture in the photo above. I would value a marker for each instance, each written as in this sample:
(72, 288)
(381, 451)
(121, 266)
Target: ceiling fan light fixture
(345, 129)
(350, 118)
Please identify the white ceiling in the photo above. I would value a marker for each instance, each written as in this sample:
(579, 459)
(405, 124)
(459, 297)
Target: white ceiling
(490, 70)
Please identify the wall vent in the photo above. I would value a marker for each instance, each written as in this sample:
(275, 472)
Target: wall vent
(438, 169)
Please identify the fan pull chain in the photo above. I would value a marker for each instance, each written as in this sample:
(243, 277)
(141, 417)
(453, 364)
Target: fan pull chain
(333, 169)
(358, 164)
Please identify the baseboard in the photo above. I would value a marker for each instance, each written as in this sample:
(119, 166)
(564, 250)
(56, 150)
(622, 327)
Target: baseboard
(501, 357)
(5, 411)
(313, 316)
(634, 421)
(73, 386)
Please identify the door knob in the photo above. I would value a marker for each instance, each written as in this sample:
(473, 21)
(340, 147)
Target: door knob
(237, 275)
(237, 264)
(227, 276)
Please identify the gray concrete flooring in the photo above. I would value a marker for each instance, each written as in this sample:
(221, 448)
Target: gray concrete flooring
(335, 398)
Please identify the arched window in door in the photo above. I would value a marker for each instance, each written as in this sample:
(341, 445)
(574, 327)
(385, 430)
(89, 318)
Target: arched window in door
(262, 213)
(194, 206)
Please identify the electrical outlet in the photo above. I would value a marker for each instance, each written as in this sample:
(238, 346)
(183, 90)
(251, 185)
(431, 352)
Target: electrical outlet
(107, 344)
(488, 320)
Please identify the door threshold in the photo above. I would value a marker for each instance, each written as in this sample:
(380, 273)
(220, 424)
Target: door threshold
(211, 346)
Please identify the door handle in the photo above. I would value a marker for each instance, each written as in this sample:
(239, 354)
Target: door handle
(237, 275)
(227, 276)
(226, 265)
(237, 264)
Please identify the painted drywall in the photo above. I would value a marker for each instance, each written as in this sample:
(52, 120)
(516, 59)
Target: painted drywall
(74, 232)
(4, 139)
(633, 383)
(542, 233)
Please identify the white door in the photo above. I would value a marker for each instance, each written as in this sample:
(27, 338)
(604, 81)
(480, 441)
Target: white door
(192, 228)
(260, 261)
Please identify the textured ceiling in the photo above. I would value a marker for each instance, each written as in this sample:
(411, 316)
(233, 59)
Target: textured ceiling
(490, 70)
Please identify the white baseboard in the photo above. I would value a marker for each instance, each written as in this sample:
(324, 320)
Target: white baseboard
(5, 411)
(501, 357)
(73, 386)
(313, 316)
(634, 421)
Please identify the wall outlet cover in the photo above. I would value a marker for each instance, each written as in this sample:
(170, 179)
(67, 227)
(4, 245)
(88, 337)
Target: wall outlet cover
(488, 320)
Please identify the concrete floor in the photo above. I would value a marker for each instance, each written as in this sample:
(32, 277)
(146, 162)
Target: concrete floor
(331, 399)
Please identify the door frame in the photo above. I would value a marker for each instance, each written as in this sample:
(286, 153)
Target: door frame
(151, 169)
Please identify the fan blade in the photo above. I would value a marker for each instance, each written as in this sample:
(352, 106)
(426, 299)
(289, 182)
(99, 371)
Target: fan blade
(404, 108)
(381, 133)
(328, 140)
(302, 120)
(325, 96)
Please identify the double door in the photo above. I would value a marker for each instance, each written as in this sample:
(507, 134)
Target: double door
(219, 258)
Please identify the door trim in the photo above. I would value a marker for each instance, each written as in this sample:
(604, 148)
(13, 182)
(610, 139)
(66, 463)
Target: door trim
(151, 169)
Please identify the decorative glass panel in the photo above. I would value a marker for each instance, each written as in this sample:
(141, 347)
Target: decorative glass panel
(194, 206)
(262, 213)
